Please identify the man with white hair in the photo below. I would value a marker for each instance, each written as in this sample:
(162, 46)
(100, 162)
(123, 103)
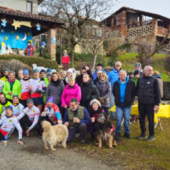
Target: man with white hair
(124, 92)
(149, 98)
(113, 77)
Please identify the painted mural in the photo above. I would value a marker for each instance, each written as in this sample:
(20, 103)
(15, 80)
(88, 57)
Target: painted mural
(15, 35)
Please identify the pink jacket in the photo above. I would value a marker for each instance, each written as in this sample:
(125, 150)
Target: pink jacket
(69, 93)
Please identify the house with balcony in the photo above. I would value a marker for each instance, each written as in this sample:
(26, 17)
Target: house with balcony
(133, 26)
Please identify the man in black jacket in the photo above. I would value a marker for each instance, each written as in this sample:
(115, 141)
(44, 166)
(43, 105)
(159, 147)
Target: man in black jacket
(149, 98)
(124, 92)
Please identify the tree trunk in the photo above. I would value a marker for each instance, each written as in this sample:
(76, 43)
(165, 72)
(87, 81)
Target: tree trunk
(72, 55)
(94, 61)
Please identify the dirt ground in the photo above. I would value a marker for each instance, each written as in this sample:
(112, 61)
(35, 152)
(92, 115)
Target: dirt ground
(32, 156)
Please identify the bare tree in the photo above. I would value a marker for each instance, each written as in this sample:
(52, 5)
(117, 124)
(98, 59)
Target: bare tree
(75, 14)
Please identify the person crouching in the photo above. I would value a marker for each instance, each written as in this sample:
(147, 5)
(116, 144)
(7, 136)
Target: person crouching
(76, 119)
(8, 124)
(51, 113)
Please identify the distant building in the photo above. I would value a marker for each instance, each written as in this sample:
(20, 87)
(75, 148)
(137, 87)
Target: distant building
(131, 25)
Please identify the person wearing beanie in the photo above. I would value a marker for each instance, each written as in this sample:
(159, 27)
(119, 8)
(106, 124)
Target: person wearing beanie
(138, 66)
(94, 111)
(25, 88)
(99, 67)
(29, 117)
(70, 73)
(6, 72)
(42, 74)
(16, 106)
(8, 123)
(12, 87)
(37, 89)
(65, 60)
(3, 103)
(51, 112)
(49, 70)
(136, 76)
(55, 88)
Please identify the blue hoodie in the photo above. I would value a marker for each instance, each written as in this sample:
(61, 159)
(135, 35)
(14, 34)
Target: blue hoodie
(113, 76)
(95, 74)
(123, 89)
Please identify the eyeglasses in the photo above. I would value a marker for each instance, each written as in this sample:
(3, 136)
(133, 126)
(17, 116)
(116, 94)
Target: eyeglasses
(117, 65)
(102, 76)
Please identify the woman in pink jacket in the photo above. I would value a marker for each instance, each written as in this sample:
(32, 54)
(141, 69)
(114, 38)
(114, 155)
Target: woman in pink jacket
(72, 90)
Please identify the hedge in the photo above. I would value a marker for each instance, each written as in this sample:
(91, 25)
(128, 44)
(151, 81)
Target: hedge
(32, 60)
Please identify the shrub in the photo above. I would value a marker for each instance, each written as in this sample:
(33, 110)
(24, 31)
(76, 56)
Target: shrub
(14, 65)
(31, 60)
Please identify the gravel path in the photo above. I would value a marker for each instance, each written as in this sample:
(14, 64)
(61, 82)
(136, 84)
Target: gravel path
(32, 156)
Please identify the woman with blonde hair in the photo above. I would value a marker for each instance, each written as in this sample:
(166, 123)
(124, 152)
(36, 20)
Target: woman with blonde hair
(72, 90)
(104, 87)
(55, 88)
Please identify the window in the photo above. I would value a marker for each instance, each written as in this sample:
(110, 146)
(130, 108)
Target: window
(29, 6)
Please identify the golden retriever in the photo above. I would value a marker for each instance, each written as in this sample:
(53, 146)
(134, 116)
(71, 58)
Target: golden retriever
(53, 135)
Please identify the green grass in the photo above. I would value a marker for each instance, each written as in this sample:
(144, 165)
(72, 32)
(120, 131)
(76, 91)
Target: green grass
(132, 153)
(129, 59)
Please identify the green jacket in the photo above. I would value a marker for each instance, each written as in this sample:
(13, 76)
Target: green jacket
(3, 107)
(16, 89)
(44, 94)
(136, 81)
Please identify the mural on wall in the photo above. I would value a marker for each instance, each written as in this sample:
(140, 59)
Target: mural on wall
(16, 35)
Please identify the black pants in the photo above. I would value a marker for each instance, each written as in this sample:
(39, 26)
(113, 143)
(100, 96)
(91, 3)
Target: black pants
(24, 103)
(24, 122)
(1, 136)
(42, 118)
(146, 110)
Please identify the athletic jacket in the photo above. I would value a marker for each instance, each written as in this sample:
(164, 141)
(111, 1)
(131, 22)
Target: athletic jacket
(25, 89)
(16, 110)
(33, 115)
(53, 113)
(8, 126)
(37, 84)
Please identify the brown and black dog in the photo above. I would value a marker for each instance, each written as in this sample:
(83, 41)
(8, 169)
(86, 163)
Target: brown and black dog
(106, 131)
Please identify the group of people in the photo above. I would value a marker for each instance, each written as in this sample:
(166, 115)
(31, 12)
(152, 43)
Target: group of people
(77, 101)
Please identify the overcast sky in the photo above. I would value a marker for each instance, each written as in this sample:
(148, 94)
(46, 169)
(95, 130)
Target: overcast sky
(161, 7)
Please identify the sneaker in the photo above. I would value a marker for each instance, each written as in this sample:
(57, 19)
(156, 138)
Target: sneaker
(127, 136)
(141, 137)
(117, 137)
(83, 141)
(151, 138)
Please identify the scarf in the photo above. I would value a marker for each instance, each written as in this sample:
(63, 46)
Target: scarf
(15, 104)
(92, 112)
(26, 79)
(55, 83)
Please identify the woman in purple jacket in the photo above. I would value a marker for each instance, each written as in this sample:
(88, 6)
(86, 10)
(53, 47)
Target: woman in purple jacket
(72, 90)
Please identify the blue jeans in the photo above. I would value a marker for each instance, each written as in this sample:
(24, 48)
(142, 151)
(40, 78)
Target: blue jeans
(112, 102)
(119, 115)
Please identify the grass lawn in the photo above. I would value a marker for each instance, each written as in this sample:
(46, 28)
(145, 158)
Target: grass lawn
(133, 154)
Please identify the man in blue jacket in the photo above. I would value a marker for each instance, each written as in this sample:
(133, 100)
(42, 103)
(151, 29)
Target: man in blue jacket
(124, 92)
(76, 119)
(113, 77)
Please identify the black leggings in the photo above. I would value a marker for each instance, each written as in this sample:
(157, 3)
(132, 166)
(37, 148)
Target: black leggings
(1, 136)
(26, 122)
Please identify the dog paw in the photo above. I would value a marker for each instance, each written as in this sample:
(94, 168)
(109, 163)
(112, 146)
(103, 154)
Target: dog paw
(53, 149)
(46, 148)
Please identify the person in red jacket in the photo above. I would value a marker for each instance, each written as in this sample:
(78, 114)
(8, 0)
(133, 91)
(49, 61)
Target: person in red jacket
(65, 60)
(29, 50)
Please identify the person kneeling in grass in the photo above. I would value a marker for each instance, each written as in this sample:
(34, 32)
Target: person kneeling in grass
(8, 124)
